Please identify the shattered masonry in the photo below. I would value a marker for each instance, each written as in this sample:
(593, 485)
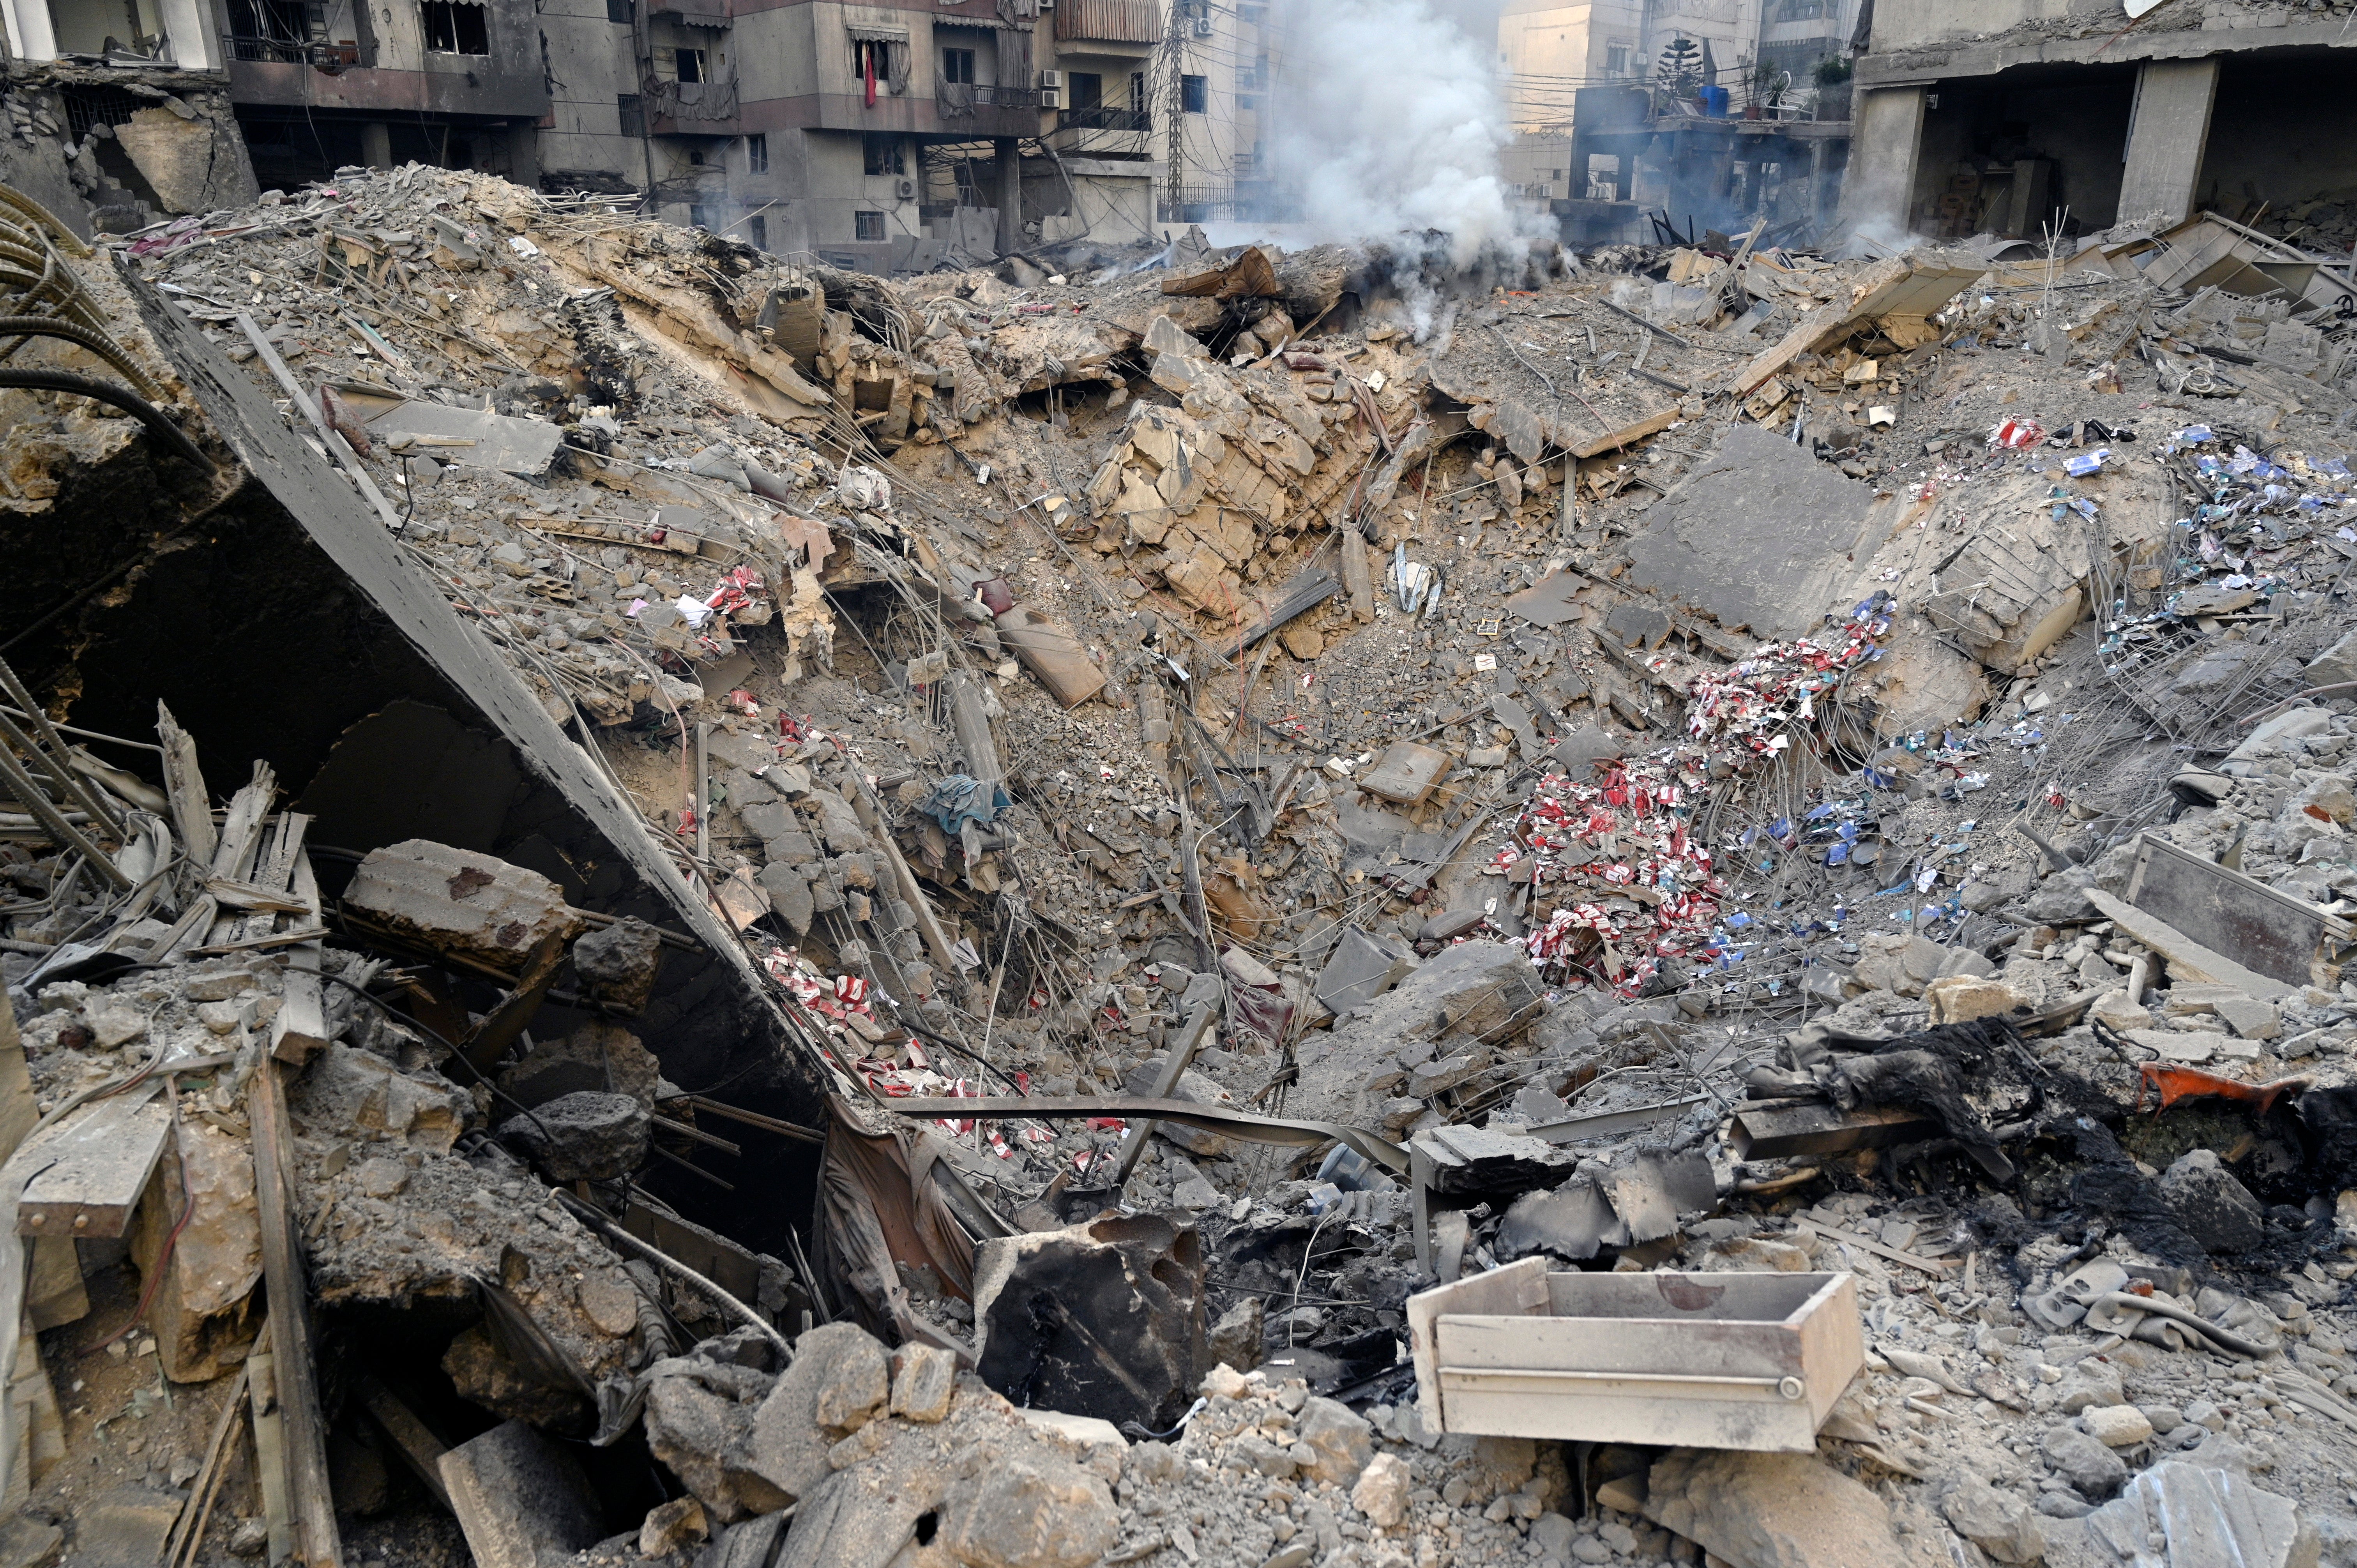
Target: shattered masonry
(666, 906)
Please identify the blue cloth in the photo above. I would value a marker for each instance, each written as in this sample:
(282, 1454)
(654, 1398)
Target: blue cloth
(959, 800)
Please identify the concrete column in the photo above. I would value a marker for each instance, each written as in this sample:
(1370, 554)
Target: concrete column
(1008, 152)
(1885, 142)
(376, 144)
(2168, 130)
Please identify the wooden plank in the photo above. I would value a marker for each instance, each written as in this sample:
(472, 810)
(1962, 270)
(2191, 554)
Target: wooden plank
(241, 838)
(1627, 435)
(1519, 1289)
(270, 1451)
(420, 1449)
(299, 1029)
(1632, 1348)
(95, 1164)
(310, 1506)
(1833, 1344)
(1936, 1267)
(241, 830)
(1778, 1132)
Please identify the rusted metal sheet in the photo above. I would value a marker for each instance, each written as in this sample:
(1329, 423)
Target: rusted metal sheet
(2232, 915)
(1721, 1360)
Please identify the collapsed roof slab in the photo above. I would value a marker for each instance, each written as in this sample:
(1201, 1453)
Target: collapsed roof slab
(1758, 534)
(358, 632)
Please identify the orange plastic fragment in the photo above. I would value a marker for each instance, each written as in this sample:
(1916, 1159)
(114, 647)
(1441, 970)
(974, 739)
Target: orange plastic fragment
(2175, 1083)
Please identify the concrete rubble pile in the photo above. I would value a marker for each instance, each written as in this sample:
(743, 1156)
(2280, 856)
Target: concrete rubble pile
(990, 918)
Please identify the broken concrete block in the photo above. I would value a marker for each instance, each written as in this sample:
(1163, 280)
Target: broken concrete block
(126, 1524)
(1030, 1512)
(923, 1378)
(2215, 1209)
(1362, 967)
(2117, 1425)
(788, 1448)
(597, 1055)
(1997, 1522)
(2251, 1019)
(515, 1493)
(619, 965)
(455, 901)
(1340, 1438)
(346, 1092)
(2093, 1471)
(673, 1526)
(1957, 998)
(1104, 1318)
(2204, 1515)
(1380, 1492)
(202, 1311)
(1639, 625)
(584, 1136)
(1771, 1511)
(1235, 1339)
(854, 1386)
(1407, 773)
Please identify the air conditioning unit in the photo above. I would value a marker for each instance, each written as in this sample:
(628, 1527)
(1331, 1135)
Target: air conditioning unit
(1050, 98)
(1202, 27)
(906, 190)
(1052, 79)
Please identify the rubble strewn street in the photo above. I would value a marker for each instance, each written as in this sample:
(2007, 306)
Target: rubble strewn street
(1642, 904)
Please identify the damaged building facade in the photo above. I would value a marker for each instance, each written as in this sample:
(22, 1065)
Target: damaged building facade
(1699, 113)
(1427, 900)
(2012, 119)
(887, 142)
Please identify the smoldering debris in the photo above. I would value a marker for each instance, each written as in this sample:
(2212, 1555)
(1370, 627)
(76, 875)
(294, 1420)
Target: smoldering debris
(1369, 792)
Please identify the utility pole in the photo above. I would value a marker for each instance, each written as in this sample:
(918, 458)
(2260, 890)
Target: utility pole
(1009, 153)
(1174, 102)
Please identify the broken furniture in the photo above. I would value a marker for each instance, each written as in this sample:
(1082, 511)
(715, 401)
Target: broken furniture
(1719, 1360)
(2234, 916)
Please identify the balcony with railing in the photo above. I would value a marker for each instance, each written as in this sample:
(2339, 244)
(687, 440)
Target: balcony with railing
(1109, 22)
(706, 107)
(1102, 131)
(267, 50)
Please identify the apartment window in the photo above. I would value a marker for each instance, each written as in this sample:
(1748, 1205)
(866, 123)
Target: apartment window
(699, 216)
(454, 27)
(632, 110)
(957, 66)
(756, 154)
(1195, 94)
(1616, 60)
(1087, 90)
(692, 66)
(867, 55)
(882, 154)
(622, 13)
(1138, 90)
(1253, 16)
(1799, 10)
(757, 230)
(868, 226)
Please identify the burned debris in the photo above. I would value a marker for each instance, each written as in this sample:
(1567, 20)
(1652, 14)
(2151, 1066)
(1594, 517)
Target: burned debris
(1283, 908)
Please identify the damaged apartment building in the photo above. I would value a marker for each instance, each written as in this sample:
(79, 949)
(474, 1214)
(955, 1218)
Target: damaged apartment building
(2012, 117)
(878, 137)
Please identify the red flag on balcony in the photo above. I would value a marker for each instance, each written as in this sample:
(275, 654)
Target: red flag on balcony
(867, 69)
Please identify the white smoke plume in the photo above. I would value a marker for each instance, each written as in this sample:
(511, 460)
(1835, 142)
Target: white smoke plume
(1393, 121)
